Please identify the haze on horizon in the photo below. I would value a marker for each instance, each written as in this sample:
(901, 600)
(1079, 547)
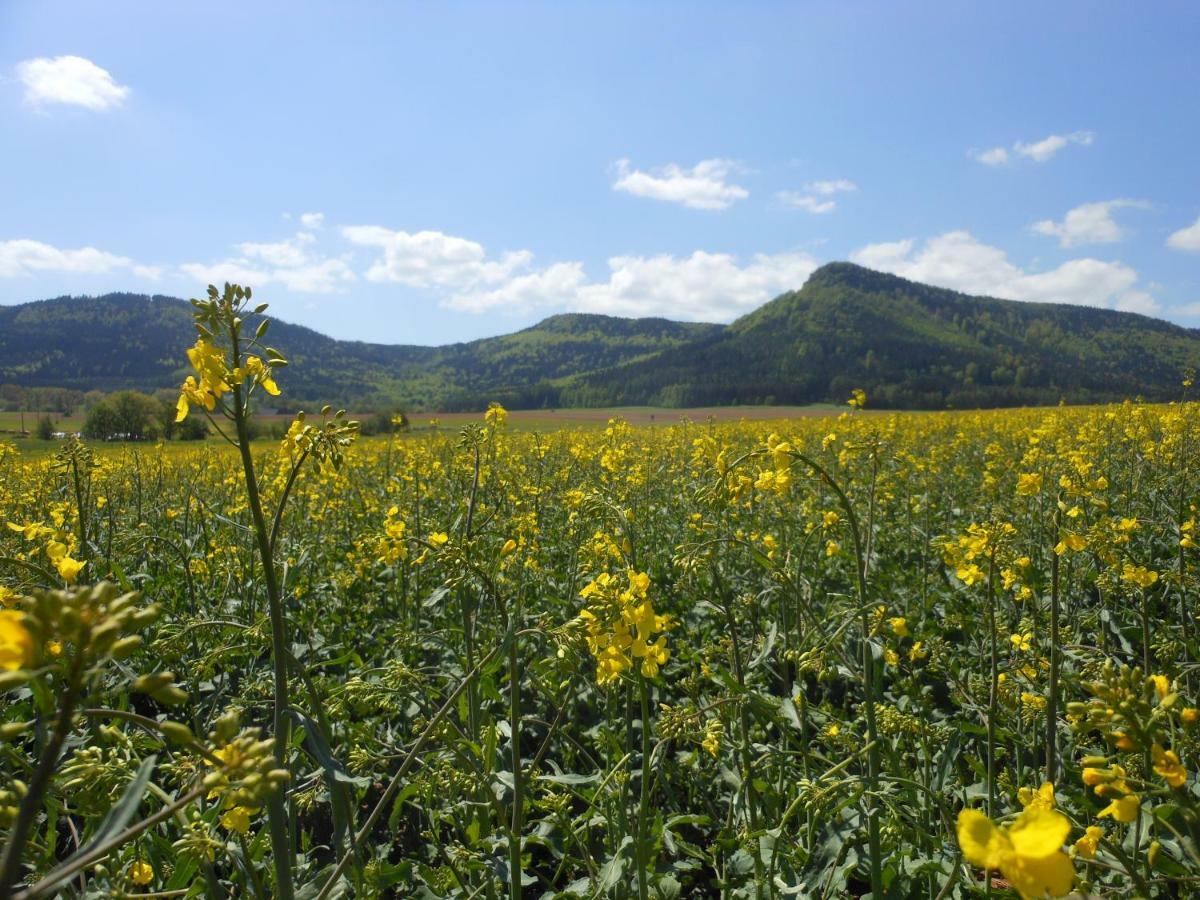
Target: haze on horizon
(436, 173)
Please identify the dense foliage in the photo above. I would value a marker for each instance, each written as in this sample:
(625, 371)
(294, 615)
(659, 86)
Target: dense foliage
(130, 341)
(909, 345)
(763, 660)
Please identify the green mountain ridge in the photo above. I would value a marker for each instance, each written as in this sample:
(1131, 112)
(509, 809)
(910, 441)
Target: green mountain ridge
(907, 344)
(910, 345)
(134, 341)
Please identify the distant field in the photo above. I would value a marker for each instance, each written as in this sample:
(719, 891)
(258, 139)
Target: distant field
(635, 415)
(11, 422)
(519, 420)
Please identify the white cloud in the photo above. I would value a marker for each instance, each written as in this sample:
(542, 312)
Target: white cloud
(556, 285)
(1138, 302)
(712, 287)
(72, 80)
(1038, 151)
(997, 156)
(289, 262)
(817, 196)
(708, 287)
(704, 186)
(797, 200)
(288, 253)
(1042, 150)
(1186, 238)
(1090, 223)
(23, 257)
(312, 219)
(235, 271)
(835, 186)
(151, 273)
(431, 258)
(318, 277)
(957, 260)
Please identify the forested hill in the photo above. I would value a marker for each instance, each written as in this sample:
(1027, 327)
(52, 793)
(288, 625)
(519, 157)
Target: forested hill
(907, 344)
(119, 341)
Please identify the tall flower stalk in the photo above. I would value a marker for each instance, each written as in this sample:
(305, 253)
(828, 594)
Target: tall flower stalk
(229, 371)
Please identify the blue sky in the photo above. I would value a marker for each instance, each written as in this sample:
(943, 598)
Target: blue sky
(425, 173)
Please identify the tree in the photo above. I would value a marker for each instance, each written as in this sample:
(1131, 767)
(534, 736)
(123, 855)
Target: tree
(125, 416)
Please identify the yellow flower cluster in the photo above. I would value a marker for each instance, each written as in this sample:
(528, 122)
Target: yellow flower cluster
(209, 383)
(621, 624)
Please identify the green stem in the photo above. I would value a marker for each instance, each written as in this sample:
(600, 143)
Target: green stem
(644, 804)
(1055, 665)
(514, 719)
(277, 815)
(82, 861)
(31, 804)
(993, 687)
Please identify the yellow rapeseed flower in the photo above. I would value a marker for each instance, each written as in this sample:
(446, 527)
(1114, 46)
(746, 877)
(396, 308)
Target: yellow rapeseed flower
(1028, 853)
(141, 872)
(1029, 484)
(16, 643)
(1042, 798)
(1021, 642)
(237, 820)
(1087, 845)
(1167, 765)
(1123, 809)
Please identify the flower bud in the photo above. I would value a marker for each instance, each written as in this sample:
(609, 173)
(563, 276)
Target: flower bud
(10, 680)
(171, 695)
(126, 645)
(176, 732)
(148, 684)
(13, 730)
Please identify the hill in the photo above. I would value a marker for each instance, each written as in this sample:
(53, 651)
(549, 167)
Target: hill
(908, 345)
(134, 341)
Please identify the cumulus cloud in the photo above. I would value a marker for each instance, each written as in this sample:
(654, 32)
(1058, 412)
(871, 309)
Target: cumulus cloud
(1186, 238)
(556, 285)
(817, 196)
(290, 262)
(806, 202)
(1090, 223)
(287, 253)
(707, 287)
(834, 186)
(996, 156)
(70, 80)
(1047, 147)
(431, 258)
(24, 257)
(1038, 151)
(704, 186)
(703, 286)
(312, 219)
(959, 261)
